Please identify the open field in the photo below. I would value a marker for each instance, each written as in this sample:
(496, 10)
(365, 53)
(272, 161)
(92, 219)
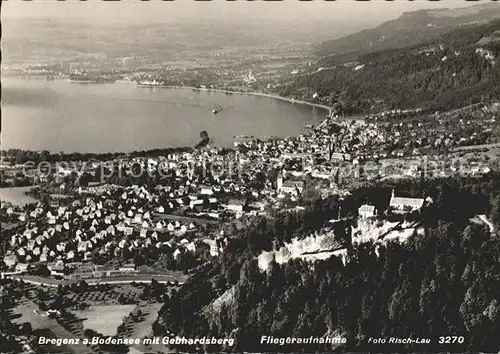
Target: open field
(25, 312)
(42, 325)
(16, 196)
(144, 328)
(150, 311)
(104, 319)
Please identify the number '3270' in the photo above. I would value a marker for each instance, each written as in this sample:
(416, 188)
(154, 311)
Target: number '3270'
(451, 339)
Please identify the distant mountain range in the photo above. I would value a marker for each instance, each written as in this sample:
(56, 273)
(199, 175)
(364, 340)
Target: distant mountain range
(33, 41)
(454, 69)
(409, 29)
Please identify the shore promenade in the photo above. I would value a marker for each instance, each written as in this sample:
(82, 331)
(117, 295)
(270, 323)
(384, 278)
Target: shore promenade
(261, 94)
(251, 93)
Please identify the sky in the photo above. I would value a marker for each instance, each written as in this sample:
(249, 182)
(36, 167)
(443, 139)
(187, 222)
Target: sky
(130, 11)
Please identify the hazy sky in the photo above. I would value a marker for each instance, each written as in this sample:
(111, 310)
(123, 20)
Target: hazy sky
(179, 10)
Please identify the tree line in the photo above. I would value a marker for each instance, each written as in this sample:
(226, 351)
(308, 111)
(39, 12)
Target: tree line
(19, 156)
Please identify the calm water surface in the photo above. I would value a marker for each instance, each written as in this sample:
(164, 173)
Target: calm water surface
(16, 195)
(63, 116)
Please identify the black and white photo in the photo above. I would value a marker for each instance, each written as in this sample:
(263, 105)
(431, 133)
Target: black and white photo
(250, 176)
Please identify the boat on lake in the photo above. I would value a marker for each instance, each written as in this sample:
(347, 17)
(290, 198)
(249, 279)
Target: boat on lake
(150, 83)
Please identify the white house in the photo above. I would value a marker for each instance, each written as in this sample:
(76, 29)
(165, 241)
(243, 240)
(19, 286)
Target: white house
(194, 203)
(22, 267)
(214, 249)
(83, 246)
(366, 211)
(236, 205)
(10, 260)
(70, 255)
(138, 218)
(191, 247)
(160, 225)
(206, 190)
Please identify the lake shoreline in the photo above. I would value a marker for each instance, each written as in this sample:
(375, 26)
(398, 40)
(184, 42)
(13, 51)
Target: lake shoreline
(16, 195)
(125, 103)
(249, 93)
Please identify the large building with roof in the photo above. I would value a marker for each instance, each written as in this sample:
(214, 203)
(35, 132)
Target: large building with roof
(405, 205)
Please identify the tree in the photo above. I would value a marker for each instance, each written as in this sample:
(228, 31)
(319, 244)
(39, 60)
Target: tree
(42, 306)
(58, 302)
(139, 259)
(26, 328)
(41, 270)
(83, 180)
(146, 292)
(157, 328)
(136, 315)
(121, 299)
(89, 333)
(166, 260)
(41, 295)
(83, 286)
(495, 212)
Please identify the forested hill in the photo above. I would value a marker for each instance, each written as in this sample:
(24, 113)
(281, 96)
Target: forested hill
(456, 69)
(439, 283)
(409, 29)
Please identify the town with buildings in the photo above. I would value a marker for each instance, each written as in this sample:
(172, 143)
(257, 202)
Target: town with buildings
(160, 217)
(98, 249)
(184, 209)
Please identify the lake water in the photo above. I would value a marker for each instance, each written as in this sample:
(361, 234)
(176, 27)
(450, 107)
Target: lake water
(16, 195)
(63, 116)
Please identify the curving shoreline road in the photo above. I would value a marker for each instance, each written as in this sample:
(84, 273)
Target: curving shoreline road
(250, 93)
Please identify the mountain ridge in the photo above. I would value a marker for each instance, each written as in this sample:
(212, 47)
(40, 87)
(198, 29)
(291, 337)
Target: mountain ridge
(454, 69)
(410, 28)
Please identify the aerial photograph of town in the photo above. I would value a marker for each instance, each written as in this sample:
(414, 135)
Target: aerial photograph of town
(250, 177)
